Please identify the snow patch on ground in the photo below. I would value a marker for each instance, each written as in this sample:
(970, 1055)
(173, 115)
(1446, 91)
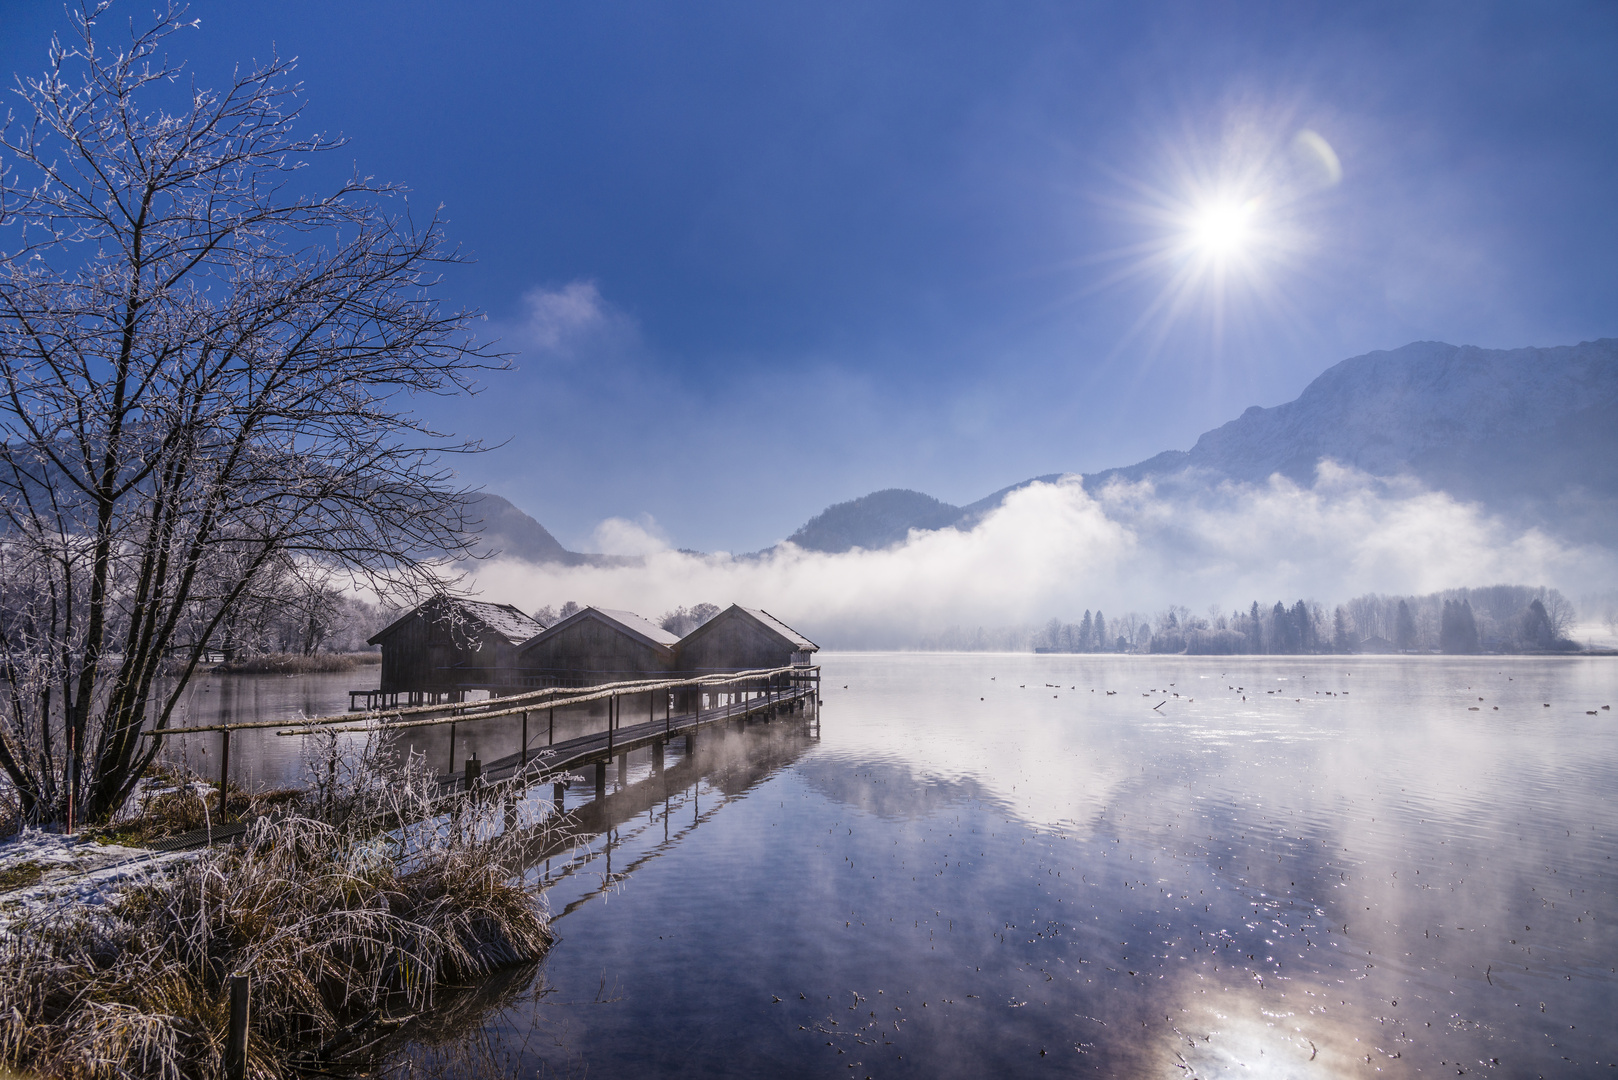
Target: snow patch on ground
(76, 870)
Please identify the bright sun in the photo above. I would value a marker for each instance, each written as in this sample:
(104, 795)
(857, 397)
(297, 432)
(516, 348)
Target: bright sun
(1222, 229)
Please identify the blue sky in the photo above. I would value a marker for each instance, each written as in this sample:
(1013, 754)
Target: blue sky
(757, 258)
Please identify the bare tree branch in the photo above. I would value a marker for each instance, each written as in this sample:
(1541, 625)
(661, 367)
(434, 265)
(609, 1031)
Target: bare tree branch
(206, 384)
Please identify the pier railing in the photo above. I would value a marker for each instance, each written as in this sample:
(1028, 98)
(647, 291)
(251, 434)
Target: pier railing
(774, 685)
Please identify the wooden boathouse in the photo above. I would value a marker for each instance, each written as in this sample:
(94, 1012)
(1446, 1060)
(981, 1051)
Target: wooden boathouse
(434, 652)
(591, 647)
(739, 639)
(446, 647)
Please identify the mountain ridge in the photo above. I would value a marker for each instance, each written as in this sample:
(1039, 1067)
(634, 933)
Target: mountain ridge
(505, 530)
(1531, 433)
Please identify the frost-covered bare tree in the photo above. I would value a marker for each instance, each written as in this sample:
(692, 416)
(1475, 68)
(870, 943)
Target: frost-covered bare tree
(206, 379)
(681, 621)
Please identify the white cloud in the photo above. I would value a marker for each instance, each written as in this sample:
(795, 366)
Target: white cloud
(1053, 549)
(620, 536)
(565, 320)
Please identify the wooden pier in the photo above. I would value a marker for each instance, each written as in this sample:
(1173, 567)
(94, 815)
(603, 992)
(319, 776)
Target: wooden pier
(620, 739)
(377, 700)
(733, 698)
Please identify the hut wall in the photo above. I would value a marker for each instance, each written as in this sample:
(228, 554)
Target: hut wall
(414, 655)
(734, 641)
(590, 652)
(487, 661)
(430, 654)
(404, 657)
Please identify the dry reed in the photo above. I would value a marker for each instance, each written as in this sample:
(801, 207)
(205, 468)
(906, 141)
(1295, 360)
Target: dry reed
(296, 663)
(348, 935)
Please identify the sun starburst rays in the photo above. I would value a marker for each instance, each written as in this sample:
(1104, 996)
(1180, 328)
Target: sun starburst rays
(1220, 239)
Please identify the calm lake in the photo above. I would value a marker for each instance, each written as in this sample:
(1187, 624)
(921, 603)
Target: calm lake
(1239, 866)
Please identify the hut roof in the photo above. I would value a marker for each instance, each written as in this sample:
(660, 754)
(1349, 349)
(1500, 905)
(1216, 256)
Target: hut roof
(503, 619)
(769, 622)
(625, 621)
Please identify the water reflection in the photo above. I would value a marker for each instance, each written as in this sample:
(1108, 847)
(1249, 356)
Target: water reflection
(258, 758)
(609, 839)
(991, 865)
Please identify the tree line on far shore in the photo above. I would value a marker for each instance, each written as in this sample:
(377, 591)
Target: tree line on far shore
(1495, 619)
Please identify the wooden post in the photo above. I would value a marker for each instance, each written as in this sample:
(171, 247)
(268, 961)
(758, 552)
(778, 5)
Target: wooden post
(72, 774)
(551, 739)
(657, 757)
(601, 779)
(451, 769)
(236, 1036)
(612, 704)
(623, 770)
(522, 758)
(474, 772)
(558, 790)
(224, 770)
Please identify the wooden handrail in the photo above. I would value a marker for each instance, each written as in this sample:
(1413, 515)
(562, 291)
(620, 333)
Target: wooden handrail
(548, 697)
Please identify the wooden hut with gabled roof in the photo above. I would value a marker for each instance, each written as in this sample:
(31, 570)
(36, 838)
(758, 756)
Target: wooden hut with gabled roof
(432, 652)
(743, 639)
(593, 646)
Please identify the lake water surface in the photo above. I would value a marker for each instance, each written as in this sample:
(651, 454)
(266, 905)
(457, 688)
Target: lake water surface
(988, 865)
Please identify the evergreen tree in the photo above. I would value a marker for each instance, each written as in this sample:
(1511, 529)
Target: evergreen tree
(1458, 629)
(1340, 638)
(1084, 633)
(1304, 623)
(1281, 633)
(1101, 644)
(1255, 629)
(1404, 633)
(1469, 628)
(1536, 628)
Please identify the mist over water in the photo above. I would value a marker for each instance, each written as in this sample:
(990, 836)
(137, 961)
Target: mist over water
(1056, 550)
(987, 865)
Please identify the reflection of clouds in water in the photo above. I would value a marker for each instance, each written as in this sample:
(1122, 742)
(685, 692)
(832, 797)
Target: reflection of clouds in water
(1004, 750)
(1363, 850)
(886, 789)
(1132, 891)
(1055, 549)
(1392, 874)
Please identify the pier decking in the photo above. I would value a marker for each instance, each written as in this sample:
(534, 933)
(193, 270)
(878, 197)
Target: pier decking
(599, 748)
(713, 700)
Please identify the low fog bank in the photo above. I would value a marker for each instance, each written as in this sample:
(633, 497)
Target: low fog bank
(1052, 550)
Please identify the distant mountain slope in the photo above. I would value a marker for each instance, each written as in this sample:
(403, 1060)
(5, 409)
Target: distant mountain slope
(512, 533)
(877, 520)
(508, 532)
(1528, 432)
(885, 518)
(1531, 433)
(1385, 411)
(972, 513)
